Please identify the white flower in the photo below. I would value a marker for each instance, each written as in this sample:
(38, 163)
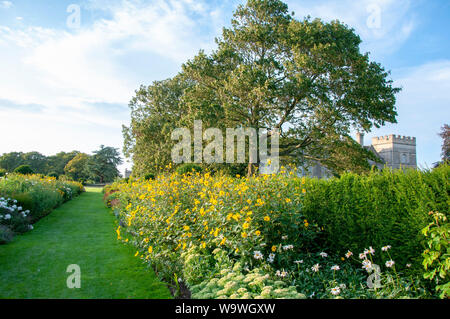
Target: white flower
(386, 248)
(335, 291)
(367, 265)
(298, 262)
(281, 273)
(362, 255)
(288, 247)
(30, 227)
(271, 258)
(343, 286)
(348, 254)
(324, 255)
(315, 268)
(371, 250)
(408, 265)
(335, 268)
(257, 255)
(390, 263)
(7, 216)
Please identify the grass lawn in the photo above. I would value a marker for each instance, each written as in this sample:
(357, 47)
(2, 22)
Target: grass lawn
(80, 232)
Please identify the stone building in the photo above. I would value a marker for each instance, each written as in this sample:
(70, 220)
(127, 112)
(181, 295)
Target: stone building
(394, 151)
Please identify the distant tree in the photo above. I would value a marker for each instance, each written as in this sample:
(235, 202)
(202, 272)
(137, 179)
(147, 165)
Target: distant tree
(23, 169)
(445, 134)
(77, 169)
(37, 162)
(102, 166)
(57, 163)
(9, 161)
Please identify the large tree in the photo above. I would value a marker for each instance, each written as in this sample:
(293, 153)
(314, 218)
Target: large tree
(102, 165)
(155, 112)
(306, 78)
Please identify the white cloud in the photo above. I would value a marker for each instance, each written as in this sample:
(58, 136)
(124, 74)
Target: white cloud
(6, 4)
(384, 25)
(83, 79)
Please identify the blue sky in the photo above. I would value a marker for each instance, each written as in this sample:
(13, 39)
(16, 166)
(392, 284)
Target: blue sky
(65, 88)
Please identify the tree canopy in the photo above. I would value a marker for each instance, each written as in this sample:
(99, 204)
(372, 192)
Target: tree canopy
(307, 78)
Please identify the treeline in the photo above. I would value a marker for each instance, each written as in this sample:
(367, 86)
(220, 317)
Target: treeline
(100, 167)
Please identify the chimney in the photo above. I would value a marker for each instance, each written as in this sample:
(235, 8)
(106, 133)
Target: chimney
(360, 138)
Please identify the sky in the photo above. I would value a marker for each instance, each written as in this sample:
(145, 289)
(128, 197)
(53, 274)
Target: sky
(68, 69)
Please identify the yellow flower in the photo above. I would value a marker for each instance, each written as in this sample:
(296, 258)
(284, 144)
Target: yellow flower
(266, 218)
(224, 240)
(304, 191)
(186, 227)
(137, 253)
(244, 235)
(150, 249)
(246, 225)
(288, 200)
(274, 248)
(257, 233)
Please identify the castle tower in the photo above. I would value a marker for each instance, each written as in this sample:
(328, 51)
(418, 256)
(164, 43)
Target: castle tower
(397, 151)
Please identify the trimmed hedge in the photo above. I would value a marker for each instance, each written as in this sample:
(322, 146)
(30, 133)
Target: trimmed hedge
(382, 208)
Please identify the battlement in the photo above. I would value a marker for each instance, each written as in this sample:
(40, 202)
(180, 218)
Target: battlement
(394, 139)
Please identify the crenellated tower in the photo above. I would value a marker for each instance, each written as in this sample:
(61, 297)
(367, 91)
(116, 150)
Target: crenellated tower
(396, 150)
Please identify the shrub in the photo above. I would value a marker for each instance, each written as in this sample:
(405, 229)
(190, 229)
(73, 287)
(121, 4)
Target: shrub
(2, 172)
(189, 169)
(37, 194)
(437, 255)
(24, 170)
(388, 207)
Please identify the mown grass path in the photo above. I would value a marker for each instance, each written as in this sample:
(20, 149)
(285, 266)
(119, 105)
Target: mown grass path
(80, 232)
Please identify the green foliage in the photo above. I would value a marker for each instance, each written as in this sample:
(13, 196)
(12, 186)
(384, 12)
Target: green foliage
(24, 170)
(382, 208)
(2, 172)
(437, 255)
(77, 168)
(102, 166)
(189, 168)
